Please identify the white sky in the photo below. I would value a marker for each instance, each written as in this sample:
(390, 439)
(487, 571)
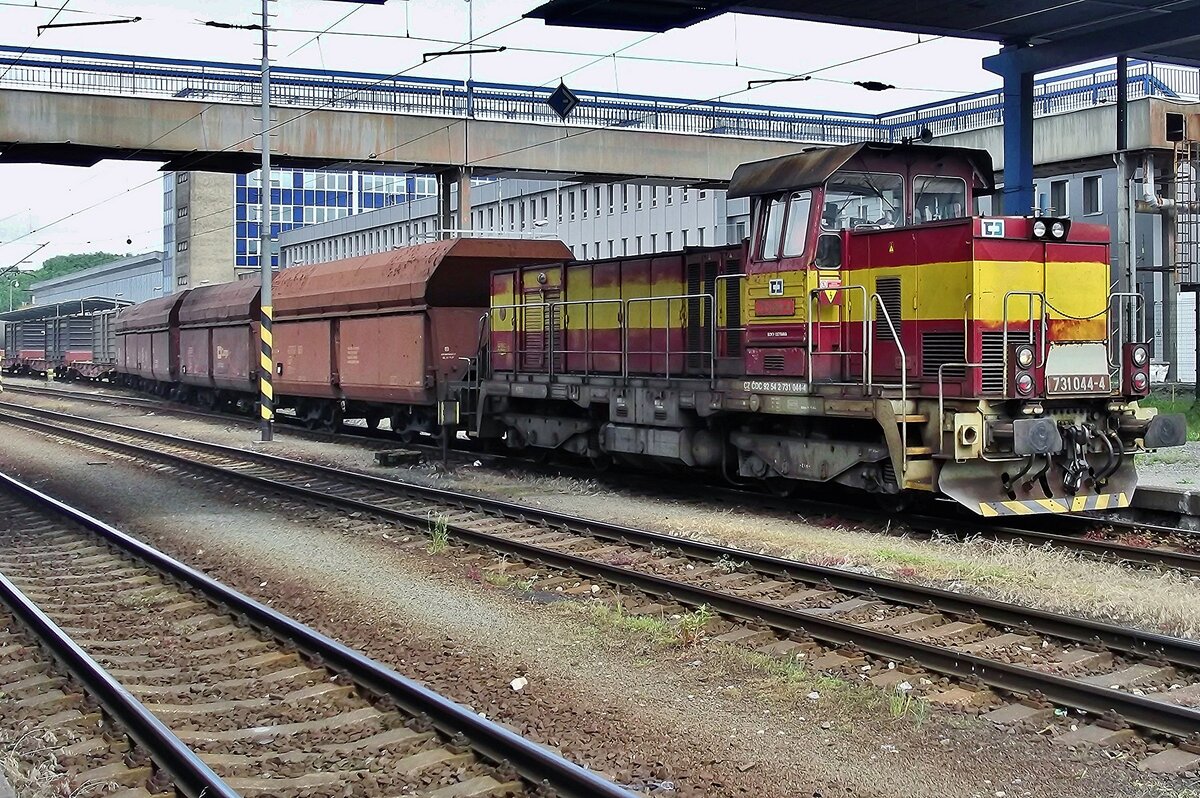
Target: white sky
(34, 196)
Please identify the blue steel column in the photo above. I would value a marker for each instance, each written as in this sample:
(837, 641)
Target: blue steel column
(1018, 142)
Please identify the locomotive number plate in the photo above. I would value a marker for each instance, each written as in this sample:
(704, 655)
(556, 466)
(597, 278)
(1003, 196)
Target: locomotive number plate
(1077, 383)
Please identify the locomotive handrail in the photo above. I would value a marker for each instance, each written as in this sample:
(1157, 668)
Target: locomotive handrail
(1123, 298)
(867, 352)
(518, 311)
(587, 352)
(877, 300)
(1039, 346)
(712, 356)
(717, 328)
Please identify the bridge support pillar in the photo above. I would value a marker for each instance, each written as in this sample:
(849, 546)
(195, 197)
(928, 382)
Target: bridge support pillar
(464, 199)
(1018, 142)
(445, 187)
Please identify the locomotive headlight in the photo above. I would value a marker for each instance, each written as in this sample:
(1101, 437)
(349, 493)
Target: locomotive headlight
(1058, 230)
(1139, 356)
(1025, 356)
(1039, 229)
(1024, 384)
(1138, 380)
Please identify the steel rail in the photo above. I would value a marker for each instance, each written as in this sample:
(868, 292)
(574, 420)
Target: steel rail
(536, 764)
(1177, 650)
(1138, 710)
(191, 776)
(1113, 550)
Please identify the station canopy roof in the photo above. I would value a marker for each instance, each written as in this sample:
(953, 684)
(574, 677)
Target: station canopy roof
(1063, 34)
(70, 307)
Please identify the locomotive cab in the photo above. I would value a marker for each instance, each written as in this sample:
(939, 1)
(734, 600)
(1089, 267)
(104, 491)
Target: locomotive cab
(993, 344)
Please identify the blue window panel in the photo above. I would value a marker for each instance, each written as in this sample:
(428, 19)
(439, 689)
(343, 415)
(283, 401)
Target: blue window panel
(274, 261)
(276, 196)
(252, 196)
(240, 194)
(286, 196)
(240, 260)
(239, 180)
(252, 230)
(241, 213)
(298, 215)
(241, 230)
(275, 230)
(310, 197)
(241, 246)
(320, 197)
(343, 200)
(297, 180)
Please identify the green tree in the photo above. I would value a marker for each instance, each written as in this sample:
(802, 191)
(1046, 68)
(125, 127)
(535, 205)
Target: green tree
(15, 285)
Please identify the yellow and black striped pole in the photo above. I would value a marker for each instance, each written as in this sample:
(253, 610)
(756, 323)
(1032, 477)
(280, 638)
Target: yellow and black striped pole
(266, 392)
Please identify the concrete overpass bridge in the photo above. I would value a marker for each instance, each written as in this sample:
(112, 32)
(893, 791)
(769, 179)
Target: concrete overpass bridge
(78, 108)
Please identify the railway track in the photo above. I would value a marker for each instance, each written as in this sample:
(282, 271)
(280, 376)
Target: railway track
(1014, 663)
(221, 695)
(1107, 538)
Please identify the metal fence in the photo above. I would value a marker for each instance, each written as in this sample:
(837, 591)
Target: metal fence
(111, 74)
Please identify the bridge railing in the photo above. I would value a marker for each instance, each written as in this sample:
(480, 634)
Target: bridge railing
(210, 81)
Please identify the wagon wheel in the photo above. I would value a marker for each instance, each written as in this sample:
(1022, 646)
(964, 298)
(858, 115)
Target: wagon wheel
(331, 417)
(310, 412)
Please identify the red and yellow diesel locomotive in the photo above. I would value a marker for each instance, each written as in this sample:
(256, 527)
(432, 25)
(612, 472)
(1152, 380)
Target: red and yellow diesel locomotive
(871, 332)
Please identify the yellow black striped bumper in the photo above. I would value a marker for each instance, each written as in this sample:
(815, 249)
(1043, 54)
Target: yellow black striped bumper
(1073, 504)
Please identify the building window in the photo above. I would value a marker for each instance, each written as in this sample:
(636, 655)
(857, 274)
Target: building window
(653, 196)
(654, 242)
(182, 246)
(181, 213)
(670, 195)
(1058, 198)
(571, 204)
(545, 209)
(624, 246)
(585, 251)
(182, 177)
(685, 239)
(639, 197)
(182, 280)
(686, 193)
(1092, 202)
(610, 247)
(700, 233)
(703, 194)
(639, 244)
(624, 198)
(583, 201)
(611, 195)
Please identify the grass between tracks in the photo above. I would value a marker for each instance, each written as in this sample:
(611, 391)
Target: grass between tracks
(790, 681)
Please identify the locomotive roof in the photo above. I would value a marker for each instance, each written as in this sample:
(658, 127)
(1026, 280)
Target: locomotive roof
(450, 273)
(217, 304)
(813, 167)
(149, 315)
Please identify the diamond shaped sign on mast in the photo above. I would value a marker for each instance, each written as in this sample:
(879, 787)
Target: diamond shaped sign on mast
(562, 101)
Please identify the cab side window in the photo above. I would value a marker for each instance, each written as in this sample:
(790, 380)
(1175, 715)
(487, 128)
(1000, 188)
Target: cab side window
(829, 251)
(797, 224)
(772, 229)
